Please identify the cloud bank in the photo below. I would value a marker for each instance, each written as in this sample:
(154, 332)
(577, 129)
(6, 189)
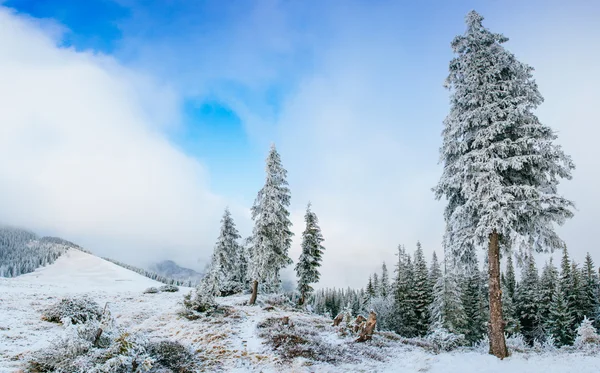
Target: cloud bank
(84, 156)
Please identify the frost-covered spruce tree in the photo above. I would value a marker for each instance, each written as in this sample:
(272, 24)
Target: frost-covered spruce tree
(227, 257)
(501, 166)
(510, 279)
(369, 291)
(271, 236)
(576, 296)
(422, 292)
(472, 300)
(528, 301)
(547, 288)
(376, 285)
(385, 281)
(307, 268)
(591, 287)
(509, 313)
(404, 310)
(560, 321)
(434, 271)
(447, 308)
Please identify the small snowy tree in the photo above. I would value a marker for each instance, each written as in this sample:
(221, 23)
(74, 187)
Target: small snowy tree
(591, 287)
(271, 236)
(547, 287)
(587, 335)
(501, 167)
(308, 265)
(225, 275)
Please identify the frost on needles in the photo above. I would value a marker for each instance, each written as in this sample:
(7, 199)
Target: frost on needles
(271, 237)
(501, 165)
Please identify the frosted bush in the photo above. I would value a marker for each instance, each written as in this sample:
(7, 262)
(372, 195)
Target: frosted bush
(483, 345)
(99, 346)
(198, 302)
(172, 355)
(548, 344)
(169, 288)
(587, 335)
(77, 309)
(443, 339)
(516, 342)
(151, 290)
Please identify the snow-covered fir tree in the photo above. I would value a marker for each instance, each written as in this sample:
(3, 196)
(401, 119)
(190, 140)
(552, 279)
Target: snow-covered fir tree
(369, 291)
(547, 288)
(225, 271)
(271, 236)
(591, 289)
(509, 277)
(472, 300)
(422, 292)
(527, 297)
(307, 268)
(447, 308)
(404, 311)
(560, 321)
(376, 285)
(509, 313)
(385, 282)
(576, 296)
(435, 272)
(501, 166)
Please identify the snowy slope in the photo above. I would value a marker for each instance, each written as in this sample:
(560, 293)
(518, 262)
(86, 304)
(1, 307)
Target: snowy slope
(227, 343)
(76, 271)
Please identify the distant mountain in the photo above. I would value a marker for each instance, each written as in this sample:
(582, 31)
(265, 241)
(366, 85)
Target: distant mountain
(169, 268)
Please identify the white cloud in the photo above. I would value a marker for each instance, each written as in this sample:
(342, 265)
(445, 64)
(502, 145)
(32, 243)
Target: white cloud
(83, 155)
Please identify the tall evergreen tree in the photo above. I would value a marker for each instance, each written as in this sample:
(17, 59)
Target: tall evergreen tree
(511, 280)
(528, 300)
(560, 320)
(404, 311)
(369, 291)
(576, 296)
(422, 292)
(308, 265)
(501, 167)
(271, 236)
(434, 272)
(471, 297)
(591, 289)
(447, 309)
(376, 285)
(509, 312)
(547, 288)
(385, 281)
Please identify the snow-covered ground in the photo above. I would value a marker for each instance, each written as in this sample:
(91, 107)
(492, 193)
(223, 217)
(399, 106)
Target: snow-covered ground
(228, 343)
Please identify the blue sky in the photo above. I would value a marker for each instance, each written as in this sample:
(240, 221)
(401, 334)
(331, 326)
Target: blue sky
(351, 91)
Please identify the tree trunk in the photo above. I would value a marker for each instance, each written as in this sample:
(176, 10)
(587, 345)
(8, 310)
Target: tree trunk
(496, 328)
(301, 301)
(254, 293)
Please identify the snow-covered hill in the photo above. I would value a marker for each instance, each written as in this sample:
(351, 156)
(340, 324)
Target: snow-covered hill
(242, 339)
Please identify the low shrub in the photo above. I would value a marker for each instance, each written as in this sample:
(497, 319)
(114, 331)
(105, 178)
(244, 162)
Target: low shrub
(169, 288)
(172, 355)
(151, 290)
(76, 309)
(444, 340)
